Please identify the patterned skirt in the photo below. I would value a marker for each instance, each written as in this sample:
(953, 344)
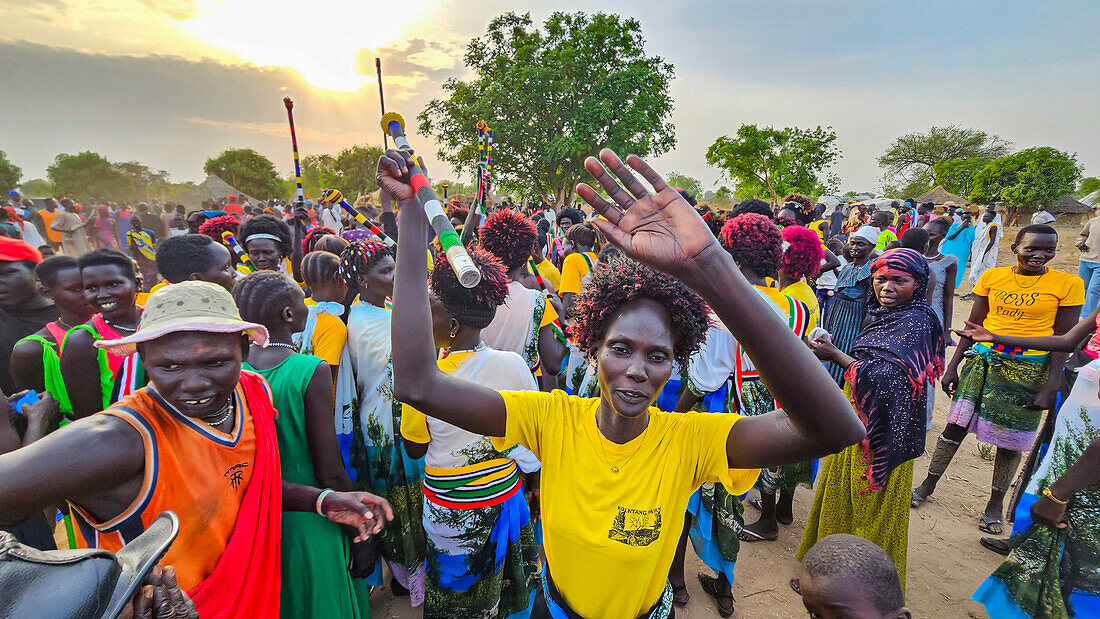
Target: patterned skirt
(881, 517)
(994, 393)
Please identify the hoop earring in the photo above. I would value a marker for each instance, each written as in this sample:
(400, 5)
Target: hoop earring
(454, 328)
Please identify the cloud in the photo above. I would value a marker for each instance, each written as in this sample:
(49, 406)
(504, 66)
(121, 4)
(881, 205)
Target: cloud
(171, 113)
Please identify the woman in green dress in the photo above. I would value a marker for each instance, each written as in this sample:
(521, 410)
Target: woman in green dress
(316, 579)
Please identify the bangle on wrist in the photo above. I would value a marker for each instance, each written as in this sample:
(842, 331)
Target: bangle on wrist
(1050, 495)
(321, 500)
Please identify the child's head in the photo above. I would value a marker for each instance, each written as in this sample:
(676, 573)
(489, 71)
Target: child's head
(844, 576)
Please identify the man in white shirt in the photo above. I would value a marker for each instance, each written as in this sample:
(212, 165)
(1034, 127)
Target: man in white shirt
(1041, 216)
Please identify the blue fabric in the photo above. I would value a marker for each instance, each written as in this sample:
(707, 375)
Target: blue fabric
(1090, 273)
(557, 612)
(998, 603)
(714, 402)
(705, 546)
(454, 570)
(960, 248)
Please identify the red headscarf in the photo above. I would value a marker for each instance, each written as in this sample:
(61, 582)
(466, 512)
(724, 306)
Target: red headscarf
(13, 250)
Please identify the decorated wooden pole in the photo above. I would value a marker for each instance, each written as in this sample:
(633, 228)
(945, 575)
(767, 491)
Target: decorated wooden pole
(229, 240)
(382, 100)
(294, 143)
(459, 259)
(444, 185)
(333, 196)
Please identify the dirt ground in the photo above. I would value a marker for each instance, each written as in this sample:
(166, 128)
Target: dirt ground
(945, 562)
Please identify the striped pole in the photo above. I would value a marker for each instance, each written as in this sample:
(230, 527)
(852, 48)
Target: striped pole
(459, 259)
(294, 143)
(333, 196)
(229, 240)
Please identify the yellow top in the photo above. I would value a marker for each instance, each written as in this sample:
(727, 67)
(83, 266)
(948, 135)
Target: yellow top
(801, 291)
(1025, 305)
(610, 536)
(142, 298)
(549, 272)
(573, 268)
(162, 284)
(329, 336)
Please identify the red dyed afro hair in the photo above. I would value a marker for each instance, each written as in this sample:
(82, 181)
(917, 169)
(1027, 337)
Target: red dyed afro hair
(508, 235)
(622, 281)
(312, 236)
(804, 204)
(214, 227)
(460, 212)
(804, 252)
(474, 307)
(754, 242)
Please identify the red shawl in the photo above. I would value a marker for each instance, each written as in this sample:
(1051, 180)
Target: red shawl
(246, 580)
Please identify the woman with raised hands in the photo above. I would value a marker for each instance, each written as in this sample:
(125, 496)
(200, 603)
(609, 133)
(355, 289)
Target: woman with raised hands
(617, 472)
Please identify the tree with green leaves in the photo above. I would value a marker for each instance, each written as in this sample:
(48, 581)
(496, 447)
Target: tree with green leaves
(139, 178)
(248, 171)
(553, 96)
(352, 171)
(9, 173)
(1031, 177)
(86, 174)
(687, 183)
(957, 175)
(36, 188)
(774, 162)
(911, 158)
(1088, 185)
(723, 195)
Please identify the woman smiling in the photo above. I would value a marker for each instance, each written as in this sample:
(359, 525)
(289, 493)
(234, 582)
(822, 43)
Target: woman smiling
(1002, 390)
(617, 472)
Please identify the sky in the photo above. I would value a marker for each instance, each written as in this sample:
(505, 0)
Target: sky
(172, 82)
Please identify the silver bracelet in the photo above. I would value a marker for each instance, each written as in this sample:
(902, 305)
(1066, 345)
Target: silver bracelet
(321, 500)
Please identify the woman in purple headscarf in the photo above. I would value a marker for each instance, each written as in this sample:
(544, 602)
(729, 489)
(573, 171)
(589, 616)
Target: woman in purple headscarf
(865, 489)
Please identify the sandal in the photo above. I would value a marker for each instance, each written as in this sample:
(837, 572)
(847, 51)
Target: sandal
(993, 526)
(710, 587)
(748, 535)
(755, 504)
(676, 599)
(917, 500)
(997, 545)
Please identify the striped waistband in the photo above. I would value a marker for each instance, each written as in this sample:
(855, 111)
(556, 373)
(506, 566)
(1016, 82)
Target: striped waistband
(1029, 353)
(477, 485)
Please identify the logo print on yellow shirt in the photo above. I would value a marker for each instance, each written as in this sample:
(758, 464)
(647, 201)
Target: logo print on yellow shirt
(636, 527)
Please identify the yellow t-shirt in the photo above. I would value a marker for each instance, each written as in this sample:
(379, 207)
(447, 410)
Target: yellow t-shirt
(798, 317)
(801, 291)
(160, 285)
(1023, 305)
(610, 537)
(329, 336)
(142, 298)
(573, 268)
(549, 272)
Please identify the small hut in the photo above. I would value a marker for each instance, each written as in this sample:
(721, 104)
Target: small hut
(1069, 210)
(210, 189)
(938, 195)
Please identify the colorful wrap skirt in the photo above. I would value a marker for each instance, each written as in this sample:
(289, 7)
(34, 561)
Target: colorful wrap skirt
(996, 389)
(481, 554)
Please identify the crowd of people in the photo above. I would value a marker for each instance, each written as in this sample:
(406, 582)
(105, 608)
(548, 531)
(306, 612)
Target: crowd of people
(329, 410)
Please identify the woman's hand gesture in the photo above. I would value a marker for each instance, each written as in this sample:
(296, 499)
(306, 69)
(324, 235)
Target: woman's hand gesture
(974, 332)
(660, 230)
(393, 174)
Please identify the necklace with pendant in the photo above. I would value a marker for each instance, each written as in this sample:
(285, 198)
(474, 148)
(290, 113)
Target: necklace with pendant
(606, 459)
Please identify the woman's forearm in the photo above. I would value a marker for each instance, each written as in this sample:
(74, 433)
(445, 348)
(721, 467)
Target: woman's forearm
(803, 389)
(414, 360)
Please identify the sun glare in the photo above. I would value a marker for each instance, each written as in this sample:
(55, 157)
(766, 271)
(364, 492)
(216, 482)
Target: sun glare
(320, 39)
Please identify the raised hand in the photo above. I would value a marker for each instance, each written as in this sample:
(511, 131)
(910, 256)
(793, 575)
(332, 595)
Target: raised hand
(974, 332)
(393, 174)
(660, 230)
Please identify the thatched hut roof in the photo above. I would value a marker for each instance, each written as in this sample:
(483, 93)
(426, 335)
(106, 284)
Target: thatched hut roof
(1069, 204)
(939, 195)
(211, 189)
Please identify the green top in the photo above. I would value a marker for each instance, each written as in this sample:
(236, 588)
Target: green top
(51, 375)
(288, 381)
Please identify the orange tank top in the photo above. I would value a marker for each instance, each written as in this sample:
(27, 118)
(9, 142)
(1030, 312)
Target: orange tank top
(191, 469)
(47, 218)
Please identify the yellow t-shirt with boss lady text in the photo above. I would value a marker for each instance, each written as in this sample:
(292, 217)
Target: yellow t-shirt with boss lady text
(1026, 305)
(610, 536)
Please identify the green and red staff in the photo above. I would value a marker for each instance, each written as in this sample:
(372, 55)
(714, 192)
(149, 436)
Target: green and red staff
(464, 267)
(333, 196)
(242, 255)
(294, 143)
